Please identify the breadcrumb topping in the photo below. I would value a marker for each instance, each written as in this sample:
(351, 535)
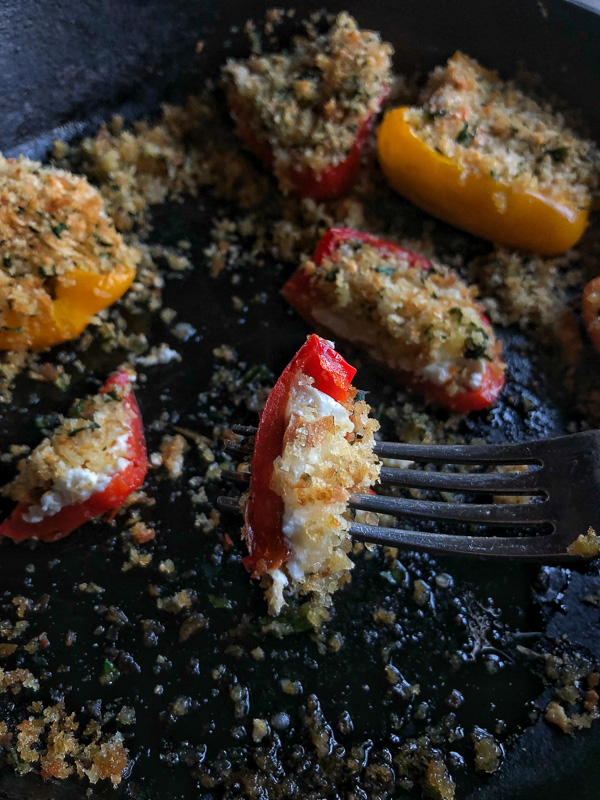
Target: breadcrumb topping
(307, 103)
(491, 127)
(51, 223)
(423, 321)
(144, 166)
(79, 458)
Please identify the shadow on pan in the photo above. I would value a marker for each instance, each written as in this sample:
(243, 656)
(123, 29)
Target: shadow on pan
(71, 65)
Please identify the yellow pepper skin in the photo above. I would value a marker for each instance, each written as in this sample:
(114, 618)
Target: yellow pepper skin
(78, 295)
(480, 204)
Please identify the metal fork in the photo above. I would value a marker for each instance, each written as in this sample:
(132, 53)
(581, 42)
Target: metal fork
(564, 473)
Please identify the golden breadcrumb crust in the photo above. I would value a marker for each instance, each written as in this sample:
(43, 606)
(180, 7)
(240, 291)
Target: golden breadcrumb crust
(308, 102)
(493, 128)
(51, 223)
(91, 437)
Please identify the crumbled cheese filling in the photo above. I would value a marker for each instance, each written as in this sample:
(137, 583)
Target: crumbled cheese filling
(79, 459)
(327, 455)
(307, 103)
(73, 486)
(424, 322)
(491, 127)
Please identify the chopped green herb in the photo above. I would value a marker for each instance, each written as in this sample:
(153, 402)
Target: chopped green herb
(92, 426)
(431, 115)
(295, 620)
(12, 330)
(465, 137)
(109, 672)
(47, 420)
(258, 372)
(557, 154)
(47, 271)
(431, 333)
(57, 230)
(456, 313)
(493, 175)
(63, 382)
(102, 243)
(76, 411)
(396, 575)
(476, 344)
(386, 270)
(22, 767)
(219, 602)
(331, 275)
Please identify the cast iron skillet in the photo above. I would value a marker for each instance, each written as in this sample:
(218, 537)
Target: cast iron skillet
(68, 65)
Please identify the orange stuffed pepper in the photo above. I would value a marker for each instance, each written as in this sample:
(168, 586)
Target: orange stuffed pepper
(62, 261)
(481, 155)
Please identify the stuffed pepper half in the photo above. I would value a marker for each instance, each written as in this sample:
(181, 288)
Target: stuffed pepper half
(90, 464)
(484, 156)
(314, 447)
(416, 319)
(306, 113)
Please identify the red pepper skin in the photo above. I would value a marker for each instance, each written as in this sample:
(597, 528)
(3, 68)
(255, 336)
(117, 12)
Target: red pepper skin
(50, 529)
(303, 295)
(267, 545)
(334, 181)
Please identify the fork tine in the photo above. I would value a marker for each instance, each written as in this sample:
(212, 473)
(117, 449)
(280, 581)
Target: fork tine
(244, 430)
(235, 475)
(538, 548)
(497, 482)
(524, 453)
(242, 449)
(491, 514)
(460, 453)
(231, 504)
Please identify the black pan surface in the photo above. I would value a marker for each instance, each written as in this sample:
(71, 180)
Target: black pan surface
(69, 65)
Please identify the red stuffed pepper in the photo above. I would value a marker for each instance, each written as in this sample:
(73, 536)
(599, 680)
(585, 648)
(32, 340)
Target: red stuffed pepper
(313, 449)
(417, 320)
(88, 466)
(306, 113)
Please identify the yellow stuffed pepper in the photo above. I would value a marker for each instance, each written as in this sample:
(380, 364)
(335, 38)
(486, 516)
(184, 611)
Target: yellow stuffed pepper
(481, 155)
(61, 259)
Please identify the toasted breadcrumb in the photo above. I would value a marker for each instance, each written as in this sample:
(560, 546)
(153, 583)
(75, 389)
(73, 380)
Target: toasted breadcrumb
(51, 739)
(491, 127)
(586, 545)
(306, 104)
(80, 457)
(420, 321)
(173, 450)
(51, 223)
(140, 168)
(528, 290)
